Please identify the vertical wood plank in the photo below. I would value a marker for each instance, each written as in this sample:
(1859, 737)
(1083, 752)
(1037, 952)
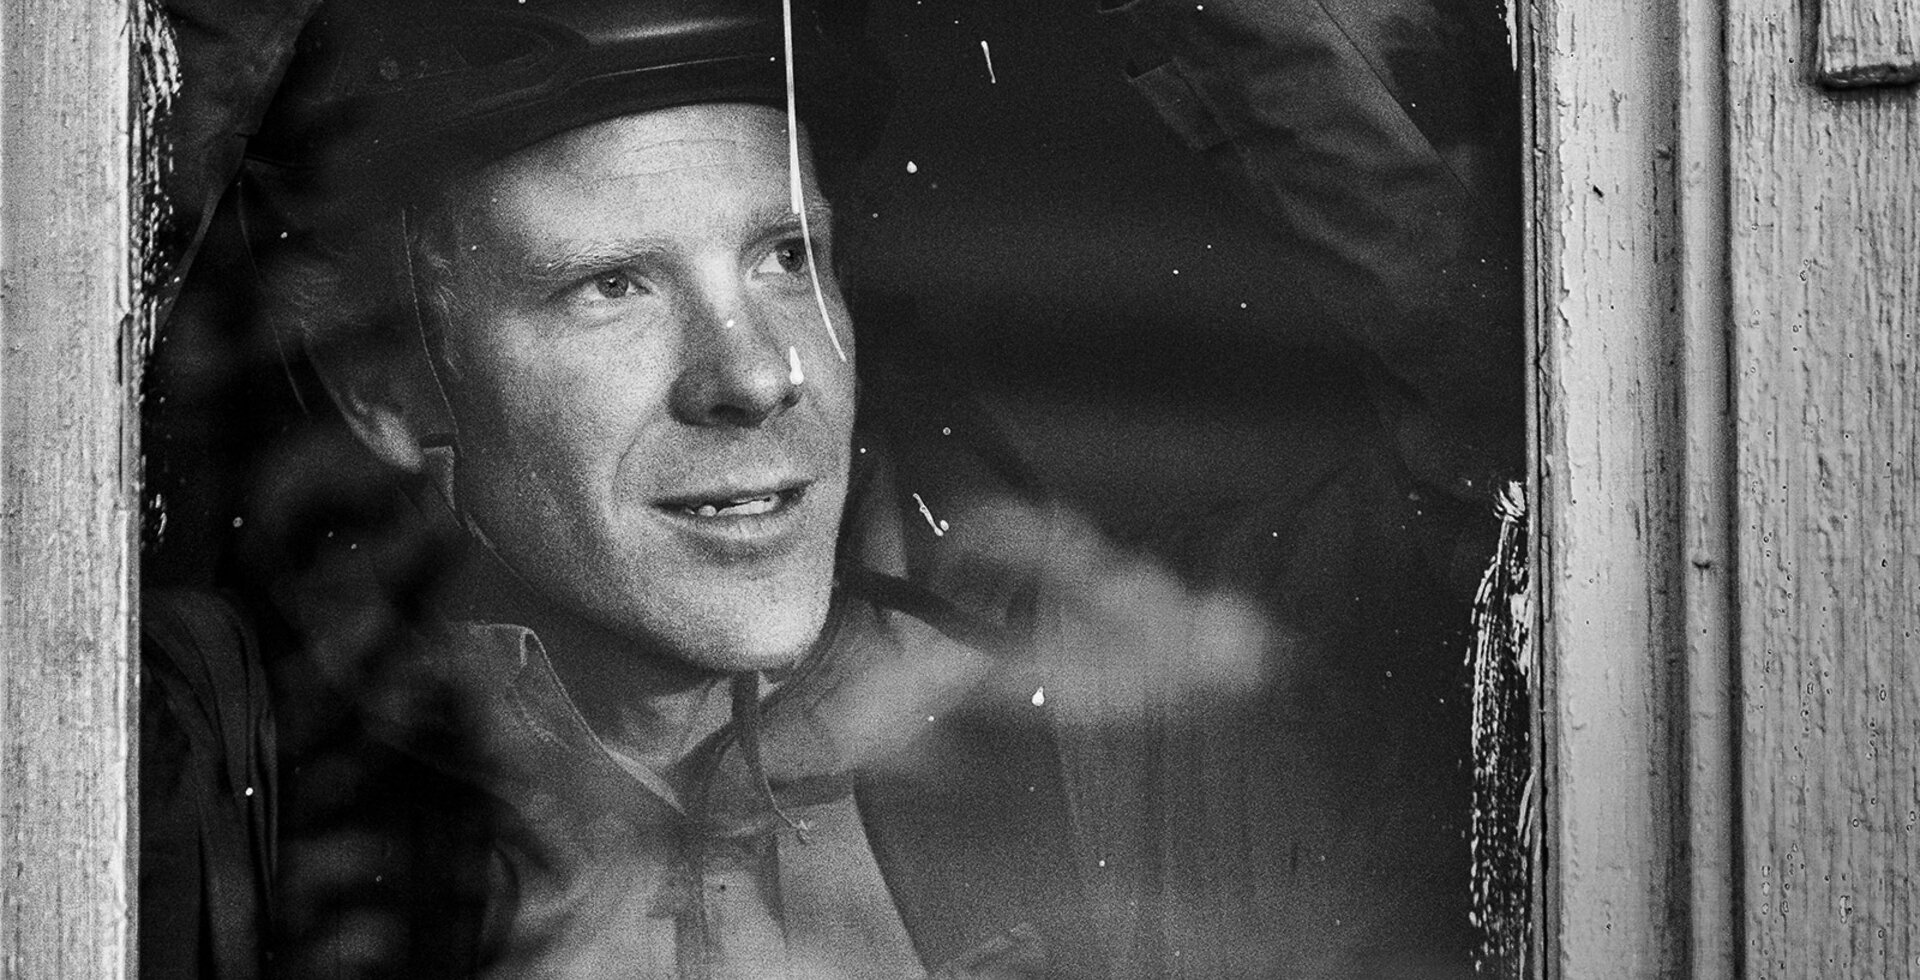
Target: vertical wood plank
(1604, 85)
(1826, 307)
(67, 472)
(1867, 42)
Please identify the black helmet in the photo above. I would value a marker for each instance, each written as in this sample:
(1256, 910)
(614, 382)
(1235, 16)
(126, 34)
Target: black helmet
(383, 96)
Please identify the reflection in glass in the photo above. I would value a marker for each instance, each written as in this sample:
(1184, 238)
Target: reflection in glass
(504, 615)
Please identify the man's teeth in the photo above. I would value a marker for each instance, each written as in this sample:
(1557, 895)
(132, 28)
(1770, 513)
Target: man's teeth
(737, 508)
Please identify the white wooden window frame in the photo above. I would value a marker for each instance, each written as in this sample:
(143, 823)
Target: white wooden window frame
(1632, 442)
(69, 468)
(1637, 306)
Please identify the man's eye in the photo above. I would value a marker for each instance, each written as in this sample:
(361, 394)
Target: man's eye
(787, 258)
(614, 285)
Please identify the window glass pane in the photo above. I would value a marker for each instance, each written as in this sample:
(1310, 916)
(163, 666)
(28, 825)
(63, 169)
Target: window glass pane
(1049, 551)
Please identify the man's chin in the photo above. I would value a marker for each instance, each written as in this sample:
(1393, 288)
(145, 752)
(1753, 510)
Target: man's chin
(736, 661)
(752, 642)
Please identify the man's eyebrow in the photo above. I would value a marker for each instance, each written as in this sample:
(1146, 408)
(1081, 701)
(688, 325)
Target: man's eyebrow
(582, 259)
(782, 216)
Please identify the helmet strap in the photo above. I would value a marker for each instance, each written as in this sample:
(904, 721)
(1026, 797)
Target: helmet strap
(416, 312)
(442, 448)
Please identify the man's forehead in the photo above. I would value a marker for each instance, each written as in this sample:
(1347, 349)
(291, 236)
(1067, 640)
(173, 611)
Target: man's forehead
(634, 183)
(712, 135)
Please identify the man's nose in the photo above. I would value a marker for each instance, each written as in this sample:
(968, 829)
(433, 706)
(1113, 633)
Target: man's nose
(734, 371)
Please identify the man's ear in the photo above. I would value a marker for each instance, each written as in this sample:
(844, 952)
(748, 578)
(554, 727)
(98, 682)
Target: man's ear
(385, 392)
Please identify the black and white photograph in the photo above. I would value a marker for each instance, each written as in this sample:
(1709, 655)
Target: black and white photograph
(959, 489)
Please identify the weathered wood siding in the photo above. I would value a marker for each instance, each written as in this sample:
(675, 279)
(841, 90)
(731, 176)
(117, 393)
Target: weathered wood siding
(1825, 257)
(67, 469)
(1728, 295)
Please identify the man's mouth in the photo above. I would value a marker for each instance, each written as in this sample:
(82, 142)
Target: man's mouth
(738, 505)
(745, 520)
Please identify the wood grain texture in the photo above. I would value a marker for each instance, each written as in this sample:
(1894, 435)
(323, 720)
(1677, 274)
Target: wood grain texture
(1604, 80)
(67, 469)
(1863, 43)
(1826, 306)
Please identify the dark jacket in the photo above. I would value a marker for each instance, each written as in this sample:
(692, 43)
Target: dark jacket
(579, 866)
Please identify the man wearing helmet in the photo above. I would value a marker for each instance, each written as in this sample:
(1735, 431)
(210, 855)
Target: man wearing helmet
(650, 423)
(569, 270)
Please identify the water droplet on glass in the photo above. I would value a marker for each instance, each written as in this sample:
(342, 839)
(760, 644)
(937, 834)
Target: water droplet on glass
(939, 528)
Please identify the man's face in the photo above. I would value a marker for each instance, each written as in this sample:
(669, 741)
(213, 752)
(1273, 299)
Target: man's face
(654, 426)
